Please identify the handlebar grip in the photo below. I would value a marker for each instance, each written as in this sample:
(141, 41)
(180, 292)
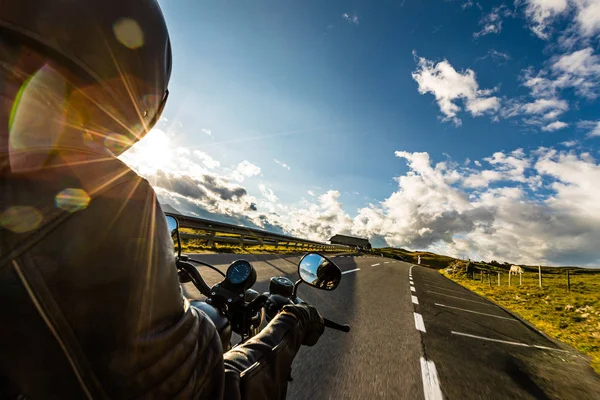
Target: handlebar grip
(196, 277)
(333, 325)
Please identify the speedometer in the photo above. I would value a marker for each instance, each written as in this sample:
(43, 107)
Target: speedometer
(240, 275)
(239, 271)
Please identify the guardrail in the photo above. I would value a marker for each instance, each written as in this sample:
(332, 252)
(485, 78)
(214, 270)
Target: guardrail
(219, 232)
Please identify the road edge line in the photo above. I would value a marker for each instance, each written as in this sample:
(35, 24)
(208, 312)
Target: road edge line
(431, 382)
(528, 324)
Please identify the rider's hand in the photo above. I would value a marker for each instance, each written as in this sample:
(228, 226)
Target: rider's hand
(310, 320)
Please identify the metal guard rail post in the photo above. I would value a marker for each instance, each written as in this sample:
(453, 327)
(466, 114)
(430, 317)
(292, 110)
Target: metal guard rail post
(244, 236)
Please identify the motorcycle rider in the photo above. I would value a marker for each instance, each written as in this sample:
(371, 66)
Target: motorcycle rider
(90, 303)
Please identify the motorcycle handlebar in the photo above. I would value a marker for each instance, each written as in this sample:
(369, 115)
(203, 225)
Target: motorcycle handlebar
(334, 325)
(196, 277)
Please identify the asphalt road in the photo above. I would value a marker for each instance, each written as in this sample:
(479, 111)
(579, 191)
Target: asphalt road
(417, 335)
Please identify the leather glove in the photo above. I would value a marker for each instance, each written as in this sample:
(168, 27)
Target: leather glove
(311, 321)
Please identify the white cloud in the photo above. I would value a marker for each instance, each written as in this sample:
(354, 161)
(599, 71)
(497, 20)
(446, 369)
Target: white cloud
(207, 160)
(489, 29)
(450, 86)
(482, 178)
(540, 112)
(579, 70)
(207, 131)
(245, 169)
(282, 164)
(353, 19)
(588, 16)
(429, 212)
(570, 143)
(554, 126)
(467, 4)
(541, 106)
(492, 22)
(497, 56)
(310, 192)
(593, 127)
(268, 193)
(481, 212)
(541, 13)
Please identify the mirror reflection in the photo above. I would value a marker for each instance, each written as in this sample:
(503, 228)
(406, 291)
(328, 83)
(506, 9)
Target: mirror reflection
(173, 227)
(320, 272)
(172, 224)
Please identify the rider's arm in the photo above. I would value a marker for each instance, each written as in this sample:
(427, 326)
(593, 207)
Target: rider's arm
(260, 367)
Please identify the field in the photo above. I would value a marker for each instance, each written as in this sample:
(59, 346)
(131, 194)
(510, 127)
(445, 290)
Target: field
(572, 317)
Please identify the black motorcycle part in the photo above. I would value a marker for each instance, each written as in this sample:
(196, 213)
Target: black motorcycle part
(282, 286)
(221, 322)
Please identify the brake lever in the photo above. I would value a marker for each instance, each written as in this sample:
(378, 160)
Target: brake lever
(334, 325)
(328, 323)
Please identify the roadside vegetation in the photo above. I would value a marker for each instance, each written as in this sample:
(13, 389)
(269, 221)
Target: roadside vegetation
(572, 317)
(190, 245)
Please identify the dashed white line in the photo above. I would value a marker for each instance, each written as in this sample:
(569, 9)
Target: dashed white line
(419, 324)
(414, 299)
(387, 262)
(352, 270)
(374, 265)
(431, 383)
(460, 298)
(412, 289)
(507, 342)
(475, 312)
(449, 290)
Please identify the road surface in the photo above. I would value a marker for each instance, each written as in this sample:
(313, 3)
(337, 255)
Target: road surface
(418, 335)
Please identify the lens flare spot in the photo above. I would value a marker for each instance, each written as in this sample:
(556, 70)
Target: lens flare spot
(117, 143)
(129, 33)
(21, 219)
(72, 200)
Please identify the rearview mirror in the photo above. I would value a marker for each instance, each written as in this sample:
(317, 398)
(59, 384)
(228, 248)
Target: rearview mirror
(318, 271)
(173, 226)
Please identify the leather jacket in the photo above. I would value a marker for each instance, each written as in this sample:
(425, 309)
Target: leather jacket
(90, 302)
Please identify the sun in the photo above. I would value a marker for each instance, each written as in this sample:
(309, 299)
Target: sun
(152, 153)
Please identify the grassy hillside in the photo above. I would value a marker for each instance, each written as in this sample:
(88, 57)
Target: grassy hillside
(572, 316)
(427, 259)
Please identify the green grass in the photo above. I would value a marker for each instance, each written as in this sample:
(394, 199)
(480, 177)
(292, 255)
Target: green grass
(200, 246)
(427, 259)
(571, 317)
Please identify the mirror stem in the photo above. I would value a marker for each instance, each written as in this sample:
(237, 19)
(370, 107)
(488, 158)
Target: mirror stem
(298, 282)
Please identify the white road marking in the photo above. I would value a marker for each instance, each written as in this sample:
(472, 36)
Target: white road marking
(374, 265)
(507, 342)
(460, 298)
(431, 383)
(475, 312)
(419, 324)
(387, 262)
(412, 289)
(414, 299)
(449, 290)
(352, 270)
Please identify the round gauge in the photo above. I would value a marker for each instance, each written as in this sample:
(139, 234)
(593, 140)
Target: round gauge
(239, 271)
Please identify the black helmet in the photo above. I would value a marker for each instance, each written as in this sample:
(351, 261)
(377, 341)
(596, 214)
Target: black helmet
(119, 48)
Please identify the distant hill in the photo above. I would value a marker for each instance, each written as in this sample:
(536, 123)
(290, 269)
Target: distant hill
(427, 259)
(439, 261)
(169, 209)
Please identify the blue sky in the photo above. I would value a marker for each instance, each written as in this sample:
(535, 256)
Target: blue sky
(334, 89)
